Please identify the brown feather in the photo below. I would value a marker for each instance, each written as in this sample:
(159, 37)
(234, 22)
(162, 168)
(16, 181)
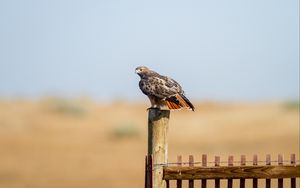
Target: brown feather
(182, 101)
(178, 102)
(169, 106)
(172, 105)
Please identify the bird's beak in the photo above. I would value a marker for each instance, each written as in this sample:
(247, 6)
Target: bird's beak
(137, 71)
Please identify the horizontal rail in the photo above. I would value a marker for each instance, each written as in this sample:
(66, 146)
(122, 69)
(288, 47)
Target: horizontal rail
(231, 172)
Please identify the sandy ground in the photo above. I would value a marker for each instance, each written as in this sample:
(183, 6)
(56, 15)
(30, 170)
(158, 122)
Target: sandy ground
(55, 143)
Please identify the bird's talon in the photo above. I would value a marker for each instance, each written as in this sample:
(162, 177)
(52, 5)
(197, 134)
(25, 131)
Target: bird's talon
(153, 108)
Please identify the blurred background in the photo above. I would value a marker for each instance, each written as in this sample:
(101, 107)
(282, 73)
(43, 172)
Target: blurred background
(71, 112)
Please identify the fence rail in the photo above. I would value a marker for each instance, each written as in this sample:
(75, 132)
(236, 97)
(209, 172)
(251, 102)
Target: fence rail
(241, 169)
(234, 172)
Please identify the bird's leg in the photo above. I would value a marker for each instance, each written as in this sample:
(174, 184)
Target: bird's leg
(162, 104)
(154, 103)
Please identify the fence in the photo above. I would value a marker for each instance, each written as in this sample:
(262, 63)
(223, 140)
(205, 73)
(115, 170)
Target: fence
(241, 170)
(159, 173)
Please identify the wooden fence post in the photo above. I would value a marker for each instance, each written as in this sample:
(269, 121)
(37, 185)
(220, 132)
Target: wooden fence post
(158, 121)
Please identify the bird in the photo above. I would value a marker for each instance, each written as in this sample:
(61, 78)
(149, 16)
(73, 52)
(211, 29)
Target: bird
(162, 91)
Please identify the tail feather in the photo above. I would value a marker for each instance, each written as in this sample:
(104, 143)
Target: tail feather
(172, 105)
(178, 102)
(188, 102)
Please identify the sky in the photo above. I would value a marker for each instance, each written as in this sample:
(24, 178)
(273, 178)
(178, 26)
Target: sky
(217, 50)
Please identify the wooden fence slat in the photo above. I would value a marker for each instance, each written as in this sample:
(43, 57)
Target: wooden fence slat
(217, 163)
(243, 163)
(149, 171)
(254, 181)
(167, 183)
(268, 162)
(191, 164)
(204, 164)
(280, 162)
(179, 161)
(146, 171)
(230, 163)
(293, 162)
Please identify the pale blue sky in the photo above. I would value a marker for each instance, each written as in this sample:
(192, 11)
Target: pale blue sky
(217, 50)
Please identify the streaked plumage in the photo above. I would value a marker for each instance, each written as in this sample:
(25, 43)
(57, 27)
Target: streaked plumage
(162, 90)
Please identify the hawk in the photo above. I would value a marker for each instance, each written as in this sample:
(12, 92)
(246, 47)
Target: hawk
(162, 91)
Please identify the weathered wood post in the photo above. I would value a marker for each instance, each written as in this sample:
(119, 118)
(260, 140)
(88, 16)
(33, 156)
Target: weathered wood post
(158, 121)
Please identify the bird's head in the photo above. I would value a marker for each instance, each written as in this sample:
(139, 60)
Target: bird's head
(142, 70)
